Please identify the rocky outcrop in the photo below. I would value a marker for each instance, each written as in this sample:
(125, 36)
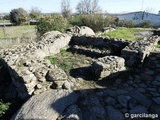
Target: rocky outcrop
(48, 105)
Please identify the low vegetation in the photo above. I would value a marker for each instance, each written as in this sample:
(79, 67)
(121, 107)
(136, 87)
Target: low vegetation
(95, 22)
(67, 60)
(16, 35)
(158, 45)
(123, 33)
(3, 108)
(6, 21)
(18, 31)
(53, 22)
(126, 23)
(145, 24)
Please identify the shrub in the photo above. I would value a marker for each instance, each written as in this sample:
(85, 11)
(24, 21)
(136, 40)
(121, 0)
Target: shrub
(53, 22)
(33, 15)
(18, 16)
(145, 24)
(126, 23)
(96, 21)
(3, 108)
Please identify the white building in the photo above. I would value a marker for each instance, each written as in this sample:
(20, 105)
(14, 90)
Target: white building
(141, 16)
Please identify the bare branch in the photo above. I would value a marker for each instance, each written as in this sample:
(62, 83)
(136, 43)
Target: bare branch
(65, 8)
(88, 7)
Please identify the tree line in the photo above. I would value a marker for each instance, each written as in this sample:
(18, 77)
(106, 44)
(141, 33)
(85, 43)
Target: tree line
(19, 16)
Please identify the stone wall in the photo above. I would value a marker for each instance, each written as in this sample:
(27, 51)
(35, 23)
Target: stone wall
(32, 74)
(29, 71)
(106, 66)
(135, 53)
(105, 45)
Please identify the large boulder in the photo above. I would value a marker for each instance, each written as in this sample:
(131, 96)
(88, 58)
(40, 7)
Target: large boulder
(48, 105)
(84, 30)
(49, 35)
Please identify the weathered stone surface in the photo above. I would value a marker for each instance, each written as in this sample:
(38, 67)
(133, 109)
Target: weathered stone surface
(27, 66)
(71, 113)
(123, 100)
(114, 114)
(48, 105)
(84, 30)
(110, 101)
(56, 75)
(141, 98)
(135, 52)
(50, 35)
(105, 66)
(157, 100)
(138, 110)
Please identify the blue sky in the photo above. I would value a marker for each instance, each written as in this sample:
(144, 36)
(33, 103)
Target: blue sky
(111, 6)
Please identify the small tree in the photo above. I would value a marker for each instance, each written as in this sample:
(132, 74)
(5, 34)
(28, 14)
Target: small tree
(65, 8)
(88, 7)
(18, 16)
(34, 13)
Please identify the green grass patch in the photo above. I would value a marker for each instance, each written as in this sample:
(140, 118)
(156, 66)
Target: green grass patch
(62, 60)
(6, 21)
(3, 108)
(67, 60)
(124, 33)
(158, 46)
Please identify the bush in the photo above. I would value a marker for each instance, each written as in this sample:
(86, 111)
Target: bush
(96, 22)
(3, 108)
(33, 15)
(145, 24)
(18, 16)
(50, 23)
(126, 23)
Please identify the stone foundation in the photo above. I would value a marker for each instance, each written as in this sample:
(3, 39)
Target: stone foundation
(32, 74)
(135, 53)
(29, 70)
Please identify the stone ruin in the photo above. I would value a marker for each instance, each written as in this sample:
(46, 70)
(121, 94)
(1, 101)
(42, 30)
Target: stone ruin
(32, 74)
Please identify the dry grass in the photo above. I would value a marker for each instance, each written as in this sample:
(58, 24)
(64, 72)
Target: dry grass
(9, 43)
(18, 31)
(16, 35)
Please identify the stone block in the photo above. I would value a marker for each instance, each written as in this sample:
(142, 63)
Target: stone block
(108, 65)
